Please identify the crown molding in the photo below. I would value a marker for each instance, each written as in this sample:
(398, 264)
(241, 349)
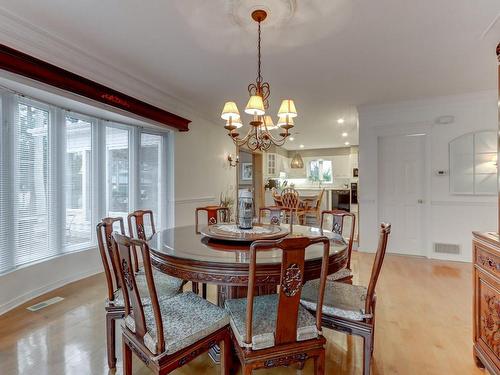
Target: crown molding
(17, 33)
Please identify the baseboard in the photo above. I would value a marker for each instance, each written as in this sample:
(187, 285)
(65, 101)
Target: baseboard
(19, 300)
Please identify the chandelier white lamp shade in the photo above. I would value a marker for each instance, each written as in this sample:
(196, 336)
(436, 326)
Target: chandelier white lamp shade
(230, 111)
(268, 122)
(237, 123)
(260, 135)
(255, 106)
(287, 108)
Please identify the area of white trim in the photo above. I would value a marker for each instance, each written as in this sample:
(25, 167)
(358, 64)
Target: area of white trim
(194, 200)
(457, 203)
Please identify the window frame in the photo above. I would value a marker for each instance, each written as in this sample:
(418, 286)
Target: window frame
(93, 176)
(308, 170)
(56, 160)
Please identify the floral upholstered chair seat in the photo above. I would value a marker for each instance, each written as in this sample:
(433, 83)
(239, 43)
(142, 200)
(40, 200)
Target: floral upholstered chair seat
(166, 286)
(264, 321)
(186, 318)
(341, 300)
(339, 275)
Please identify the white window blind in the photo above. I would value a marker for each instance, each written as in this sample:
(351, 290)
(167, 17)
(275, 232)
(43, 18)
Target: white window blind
(117, 171)
(61, 172)
(150, 175)
(78, 182)
(31, 184)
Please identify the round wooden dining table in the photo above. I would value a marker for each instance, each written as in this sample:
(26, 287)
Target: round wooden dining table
(183, 253)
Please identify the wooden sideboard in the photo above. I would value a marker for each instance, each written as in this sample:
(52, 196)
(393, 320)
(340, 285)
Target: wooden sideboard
(486, 274)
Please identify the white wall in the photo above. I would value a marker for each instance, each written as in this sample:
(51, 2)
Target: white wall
(450, 218)
(28, 282)
(202, 171)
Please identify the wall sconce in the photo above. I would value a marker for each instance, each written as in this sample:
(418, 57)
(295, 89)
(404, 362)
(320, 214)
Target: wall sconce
(231, 162)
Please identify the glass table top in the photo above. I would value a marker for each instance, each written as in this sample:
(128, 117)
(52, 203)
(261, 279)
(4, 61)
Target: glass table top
(184, 243)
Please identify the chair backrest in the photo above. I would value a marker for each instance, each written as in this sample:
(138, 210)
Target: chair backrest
(104, 242)
(319, 199)
(122, 249)
(213, 215)
(385, 229)
(276, 197)
(291, 281)
(136, 224)
(274, 214)
(338, 217)
(290, 198)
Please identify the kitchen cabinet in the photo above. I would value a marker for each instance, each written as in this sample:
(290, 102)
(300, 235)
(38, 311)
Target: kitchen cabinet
(272, 165)
(341, 165)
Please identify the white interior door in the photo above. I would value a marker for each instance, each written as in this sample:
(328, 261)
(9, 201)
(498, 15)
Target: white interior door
(401, 191)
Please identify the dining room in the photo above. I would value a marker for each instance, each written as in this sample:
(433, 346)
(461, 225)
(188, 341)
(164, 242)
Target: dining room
(249, 187)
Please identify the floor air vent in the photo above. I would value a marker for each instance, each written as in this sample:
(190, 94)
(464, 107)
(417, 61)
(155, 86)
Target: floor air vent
(446, 248)
(44, 304)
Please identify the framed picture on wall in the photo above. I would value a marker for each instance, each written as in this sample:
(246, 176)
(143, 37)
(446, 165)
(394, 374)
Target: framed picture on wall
(246, 171)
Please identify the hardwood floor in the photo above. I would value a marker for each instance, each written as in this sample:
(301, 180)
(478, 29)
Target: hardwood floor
(423, 327)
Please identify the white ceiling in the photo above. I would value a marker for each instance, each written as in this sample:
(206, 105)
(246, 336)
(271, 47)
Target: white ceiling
(329, 55)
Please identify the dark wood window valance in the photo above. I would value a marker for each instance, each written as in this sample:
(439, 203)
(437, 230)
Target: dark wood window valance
(28, 66)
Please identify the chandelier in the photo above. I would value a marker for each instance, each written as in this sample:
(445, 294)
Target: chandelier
(260, 135)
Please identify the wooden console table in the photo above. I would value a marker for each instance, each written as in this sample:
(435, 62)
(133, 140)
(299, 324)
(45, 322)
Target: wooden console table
(486, 274)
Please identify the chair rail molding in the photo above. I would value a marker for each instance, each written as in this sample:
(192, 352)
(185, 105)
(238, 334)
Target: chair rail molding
(209, 199)
(462, 203)
(20, 34)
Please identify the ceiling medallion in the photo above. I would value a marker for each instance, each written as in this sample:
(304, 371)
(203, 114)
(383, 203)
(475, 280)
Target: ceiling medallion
(259, 136)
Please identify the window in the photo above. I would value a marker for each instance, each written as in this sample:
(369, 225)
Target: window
(31, 184)
(61, 172)
(320, 170)
(473, 163)
(78, 181)
(117, 171)
(150, 173)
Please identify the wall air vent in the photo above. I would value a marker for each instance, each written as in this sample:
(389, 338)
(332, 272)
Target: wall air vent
(44, 304)
(446, 248)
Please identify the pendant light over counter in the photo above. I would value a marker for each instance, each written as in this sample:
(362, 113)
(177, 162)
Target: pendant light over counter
(297, 162)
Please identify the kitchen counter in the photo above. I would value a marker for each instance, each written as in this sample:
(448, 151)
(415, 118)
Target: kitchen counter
(319, 188)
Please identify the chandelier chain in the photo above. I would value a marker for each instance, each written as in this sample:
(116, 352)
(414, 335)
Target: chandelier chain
(259, 76)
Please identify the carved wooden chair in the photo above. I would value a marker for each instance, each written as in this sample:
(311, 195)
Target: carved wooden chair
(136, 223)
(114, 305)
(214, 216)
(351, 308)
(338, 221)
(275, 330)
(137, 229)
(291, 200)
(276, 197)
(316, 209)
(274, 213)
(166, 333)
